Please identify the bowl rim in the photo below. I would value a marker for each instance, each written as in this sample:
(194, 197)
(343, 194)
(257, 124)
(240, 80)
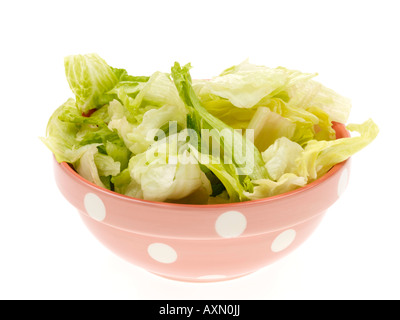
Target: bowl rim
(339, 127)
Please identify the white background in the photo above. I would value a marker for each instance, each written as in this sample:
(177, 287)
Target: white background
(45, 250)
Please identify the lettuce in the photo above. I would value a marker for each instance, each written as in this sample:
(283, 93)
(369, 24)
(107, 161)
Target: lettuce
(280, 158)
(237, 118)
(319, 156)
(87, 168)
(143, 136)
(238, 92)
(246, 84)
(245, 156)
(226, 175)
(61, 136)
(265, 188)
(106, 165)
(246, 160)
(292, 167)
(269, 126)
(312, 93)
(167, 171)
(249, 133)
(89, 78)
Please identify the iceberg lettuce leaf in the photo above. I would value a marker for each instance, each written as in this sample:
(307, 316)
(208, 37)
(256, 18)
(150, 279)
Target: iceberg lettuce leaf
(87, 168)
(313, 94)
(267, 188)
(319, 157)
(61, 136)
(89, 78)
(246, 84)
(269, 126)
(280, 157)
(168, 172)
(240, 150)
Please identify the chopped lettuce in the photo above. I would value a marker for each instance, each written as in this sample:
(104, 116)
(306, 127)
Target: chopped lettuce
(61, 136)
(246, 84)
(269, 126)
(319, 156)
(106, 165)
(89, 78)
(87, 166)
(143, 136)
(312, 93)
(245, 156)
(280, 158)
(265, 188)
(249, 133)
(237, 118)
(119, 122)
(167, 171)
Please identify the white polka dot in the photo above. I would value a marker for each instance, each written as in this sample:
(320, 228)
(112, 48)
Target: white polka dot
(283, 241)
(162, 253)
(95, 207)
(212, 277)
(231, 224)
(343, 181)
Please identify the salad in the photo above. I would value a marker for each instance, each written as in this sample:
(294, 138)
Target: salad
(251, 132)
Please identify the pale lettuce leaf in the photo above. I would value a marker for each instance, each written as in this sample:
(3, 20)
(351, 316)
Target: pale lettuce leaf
(106, 165)
(61, 136)
(246, 84)
(87, 167)
(143, 136)
(313, 94)
(269, 126)
(167, 171)
(319, 157)
(89, 78)
(280, 157)
(267, 188)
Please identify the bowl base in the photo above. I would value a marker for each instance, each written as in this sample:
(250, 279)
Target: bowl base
(205, 279)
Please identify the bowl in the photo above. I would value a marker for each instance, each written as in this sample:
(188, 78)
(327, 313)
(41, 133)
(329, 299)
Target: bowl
(203, 243)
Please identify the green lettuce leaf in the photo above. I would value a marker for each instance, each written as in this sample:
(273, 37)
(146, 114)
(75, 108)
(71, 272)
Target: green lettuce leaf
(246, 84)
(61, 136)
(265, 188)
(143, 136)
(225, 173)
(139, 137)
(122, 183)
(313, 94)
(158, 91)
(318, 157)
(87, 168)
(269, 126)
(89, 78)
(237, 118)
(280, 157)
(69, 135)
(118, 152)
(122, 75)
(168, 172)
(106, 165)
(176, 140)
(292, 166)
(244, 155)
(119, 122)
(97, 168)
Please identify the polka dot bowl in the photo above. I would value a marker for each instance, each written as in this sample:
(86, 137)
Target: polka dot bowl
(203, 243)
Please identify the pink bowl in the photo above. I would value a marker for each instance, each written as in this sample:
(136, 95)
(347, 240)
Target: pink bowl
(203, 243)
